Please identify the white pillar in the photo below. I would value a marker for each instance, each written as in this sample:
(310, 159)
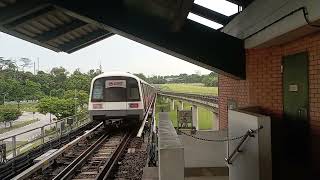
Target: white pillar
(181, 102)
(172, 107)
(195, 116)
(215, 120)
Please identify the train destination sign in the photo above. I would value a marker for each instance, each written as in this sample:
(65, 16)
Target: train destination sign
(116, 83)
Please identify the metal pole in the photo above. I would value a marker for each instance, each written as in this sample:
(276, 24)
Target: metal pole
(50, 112)
(61, 129)
(57, 129)
(4, 98)
(14, 146)
(75, 104)
(42, 135)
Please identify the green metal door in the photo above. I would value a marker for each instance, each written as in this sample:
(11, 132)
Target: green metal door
(295, 87)
(296, 144)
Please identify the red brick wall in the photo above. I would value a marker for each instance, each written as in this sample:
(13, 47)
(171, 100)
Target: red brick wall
(263, 85)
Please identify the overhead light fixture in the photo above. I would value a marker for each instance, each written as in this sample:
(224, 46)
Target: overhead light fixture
(221, 6)
(204, 21)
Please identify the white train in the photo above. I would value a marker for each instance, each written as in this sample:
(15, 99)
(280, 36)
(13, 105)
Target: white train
(116, 96)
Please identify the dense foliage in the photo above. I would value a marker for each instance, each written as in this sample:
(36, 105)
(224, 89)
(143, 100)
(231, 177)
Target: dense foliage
(18, 85)
(208, 80)
(8, 114)
(67, 105)
(58, 91)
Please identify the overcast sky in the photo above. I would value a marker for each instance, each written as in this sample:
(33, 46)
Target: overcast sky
(114, 53)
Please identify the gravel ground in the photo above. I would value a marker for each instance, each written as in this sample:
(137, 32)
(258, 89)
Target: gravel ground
(133, 161)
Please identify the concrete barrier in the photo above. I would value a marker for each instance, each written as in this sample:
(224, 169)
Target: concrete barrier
(171, 152)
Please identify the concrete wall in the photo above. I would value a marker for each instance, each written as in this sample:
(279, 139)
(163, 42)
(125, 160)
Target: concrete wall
(263, 86)
(261, 13)
(255, 160)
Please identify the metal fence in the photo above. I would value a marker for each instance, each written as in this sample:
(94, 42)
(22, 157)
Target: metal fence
(27, 140)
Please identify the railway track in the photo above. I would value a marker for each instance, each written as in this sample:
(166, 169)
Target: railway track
(69, 155)
(89, 157)
(25, 160)
(98, 160)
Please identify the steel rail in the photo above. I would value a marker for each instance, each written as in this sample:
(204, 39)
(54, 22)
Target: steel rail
(146, 117)
(106, 170)
(78, 162)
(201, 102)
(25, 174)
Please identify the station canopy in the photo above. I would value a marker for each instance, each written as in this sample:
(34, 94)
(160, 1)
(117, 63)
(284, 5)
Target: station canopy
(69, 25)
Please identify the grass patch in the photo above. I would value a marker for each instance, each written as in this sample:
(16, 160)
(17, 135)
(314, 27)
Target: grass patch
(196, 88)
(205, 117)
(28, 107)
(18, 125)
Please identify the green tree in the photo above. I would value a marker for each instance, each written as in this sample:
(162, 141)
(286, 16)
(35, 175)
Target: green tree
(32, 90)
(60, 76)
(59, 107)
(3, 90)
(57, 93)
(210, 80)
(25, 62)
(9, 114)
(93, 73)
(78, 81)
(80, 97)
(16, 91)
(141, 76)
(157, 80)
(45, 80)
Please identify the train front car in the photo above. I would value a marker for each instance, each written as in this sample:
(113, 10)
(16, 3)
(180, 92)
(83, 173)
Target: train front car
(116, 97)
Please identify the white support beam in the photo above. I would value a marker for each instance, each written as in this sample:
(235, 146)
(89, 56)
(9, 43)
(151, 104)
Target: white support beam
(181, 105)
(215, 121)
(172, 105)
(195, 118)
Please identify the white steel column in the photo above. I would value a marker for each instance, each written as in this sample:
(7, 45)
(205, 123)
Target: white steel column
(195, 116)
(172, 105)
(181, 102)
(215, 120)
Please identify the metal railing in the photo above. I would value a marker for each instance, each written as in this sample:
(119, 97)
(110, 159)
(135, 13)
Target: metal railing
(152, 105)
(214, 99)
(249, 133)
(209, 102)
(22, 142)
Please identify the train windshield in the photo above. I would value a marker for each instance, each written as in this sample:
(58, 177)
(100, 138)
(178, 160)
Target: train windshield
(115, 89)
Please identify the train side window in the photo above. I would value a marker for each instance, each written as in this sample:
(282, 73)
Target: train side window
(97, 92)
(133, 93)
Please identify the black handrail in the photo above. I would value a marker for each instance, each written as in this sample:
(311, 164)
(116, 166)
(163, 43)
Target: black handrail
(249, 133)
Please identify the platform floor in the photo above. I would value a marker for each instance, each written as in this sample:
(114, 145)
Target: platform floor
(151, 173)
(198, 153)
(208, 178)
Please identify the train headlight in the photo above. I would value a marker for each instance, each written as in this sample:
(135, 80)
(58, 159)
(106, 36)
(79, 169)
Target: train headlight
(134, 105)
(97, 106)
